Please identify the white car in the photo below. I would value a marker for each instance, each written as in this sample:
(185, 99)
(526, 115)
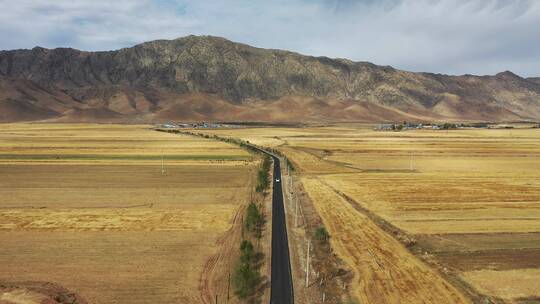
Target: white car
(277, 180)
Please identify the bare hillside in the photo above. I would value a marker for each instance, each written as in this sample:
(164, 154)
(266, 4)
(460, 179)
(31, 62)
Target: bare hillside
(211, 78)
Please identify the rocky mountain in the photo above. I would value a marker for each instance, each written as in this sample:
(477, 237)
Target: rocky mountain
(534, 79)
(210, 78)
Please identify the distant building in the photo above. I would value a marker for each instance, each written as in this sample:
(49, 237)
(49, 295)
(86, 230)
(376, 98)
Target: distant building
(385, 127)
(501, 126)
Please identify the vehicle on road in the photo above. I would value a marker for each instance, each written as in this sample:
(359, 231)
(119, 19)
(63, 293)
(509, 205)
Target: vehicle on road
(277, 180)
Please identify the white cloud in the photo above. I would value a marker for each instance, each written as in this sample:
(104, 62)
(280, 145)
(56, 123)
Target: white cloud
(447, 36)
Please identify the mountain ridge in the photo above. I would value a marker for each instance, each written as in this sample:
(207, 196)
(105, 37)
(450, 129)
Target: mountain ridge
(212, 78)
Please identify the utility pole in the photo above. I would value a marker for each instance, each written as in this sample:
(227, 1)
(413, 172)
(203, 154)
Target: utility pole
(307, 263)
(291, 182)
(300, 212)
(250, 186)
(162, 164)
(294, 198)
(295, 212)
(228, 286)
(242, 225)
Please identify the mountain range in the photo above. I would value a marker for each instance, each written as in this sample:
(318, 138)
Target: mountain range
(204, 78)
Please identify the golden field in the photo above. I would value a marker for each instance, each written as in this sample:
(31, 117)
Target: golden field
(468, 202)
(86, 207)
(377, 257)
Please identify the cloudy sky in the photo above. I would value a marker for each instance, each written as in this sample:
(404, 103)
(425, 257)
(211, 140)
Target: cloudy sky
(443, 36)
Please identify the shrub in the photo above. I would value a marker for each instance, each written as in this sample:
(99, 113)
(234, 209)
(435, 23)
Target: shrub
(321, 234)
(291, 166)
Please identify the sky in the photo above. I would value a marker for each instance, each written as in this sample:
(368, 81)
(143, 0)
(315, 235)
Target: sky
(441, 36)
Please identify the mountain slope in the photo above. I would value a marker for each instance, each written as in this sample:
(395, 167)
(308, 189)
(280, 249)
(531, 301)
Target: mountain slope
(210, 78)
(534, 79)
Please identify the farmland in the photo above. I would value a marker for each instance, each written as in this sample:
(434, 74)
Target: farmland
(423, 213)
(87, 207)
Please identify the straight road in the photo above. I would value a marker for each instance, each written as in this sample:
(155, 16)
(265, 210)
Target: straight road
(281, 289)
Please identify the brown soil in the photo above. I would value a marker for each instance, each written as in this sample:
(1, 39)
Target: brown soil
(38, 293)
(329, 276)
(493, 259)
(215, 276)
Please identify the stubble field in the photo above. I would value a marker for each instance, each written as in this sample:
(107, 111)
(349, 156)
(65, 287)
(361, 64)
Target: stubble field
(87, 207)
(466, 203)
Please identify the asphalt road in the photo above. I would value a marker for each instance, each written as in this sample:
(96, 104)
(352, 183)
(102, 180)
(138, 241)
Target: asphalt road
(281, 288)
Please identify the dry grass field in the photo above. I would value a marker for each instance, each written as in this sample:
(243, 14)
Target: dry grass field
(86, 207)
(467, 200)
(399, 277)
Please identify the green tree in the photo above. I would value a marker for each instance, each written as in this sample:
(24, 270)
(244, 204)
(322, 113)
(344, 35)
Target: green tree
(321, 234)
(447, 126)
(247, 252)
(254, 219)
(245, 280)
(245, 276)
(263, 178)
